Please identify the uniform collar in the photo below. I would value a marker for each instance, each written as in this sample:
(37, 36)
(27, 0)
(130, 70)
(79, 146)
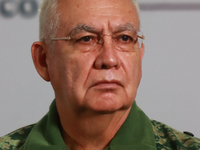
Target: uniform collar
(135, 134)
(46, 133)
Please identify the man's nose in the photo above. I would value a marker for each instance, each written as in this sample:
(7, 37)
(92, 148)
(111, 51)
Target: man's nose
(108, 56)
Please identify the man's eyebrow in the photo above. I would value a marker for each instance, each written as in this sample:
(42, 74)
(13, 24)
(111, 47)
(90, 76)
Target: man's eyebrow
(125, 27)
(81, 27)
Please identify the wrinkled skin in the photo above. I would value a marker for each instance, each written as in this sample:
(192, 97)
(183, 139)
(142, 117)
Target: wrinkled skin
(75, 75)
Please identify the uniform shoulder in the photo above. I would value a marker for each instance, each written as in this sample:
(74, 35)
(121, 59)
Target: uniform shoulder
(15, 139)
(169, 138)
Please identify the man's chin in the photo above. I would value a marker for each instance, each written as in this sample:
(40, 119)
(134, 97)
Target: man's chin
(108, 104)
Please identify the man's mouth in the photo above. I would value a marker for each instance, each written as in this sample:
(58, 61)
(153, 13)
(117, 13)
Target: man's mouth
(104, 84)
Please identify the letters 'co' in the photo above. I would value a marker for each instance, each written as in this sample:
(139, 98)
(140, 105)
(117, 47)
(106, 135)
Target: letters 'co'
(26, 8)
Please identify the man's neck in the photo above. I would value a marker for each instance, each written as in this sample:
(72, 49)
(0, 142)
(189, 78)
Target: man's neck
(91, 132)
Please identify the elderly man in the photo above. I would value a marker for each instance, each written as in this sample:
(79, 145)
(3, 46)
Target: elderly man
(91, 52)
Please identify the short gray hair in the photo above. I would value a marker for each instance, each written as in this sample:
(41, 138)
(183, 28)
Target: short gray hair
(49, 20)
(137, 7)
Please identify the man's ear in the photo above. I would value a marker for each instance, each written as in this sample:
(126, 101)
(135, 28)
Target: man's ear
(39, 56)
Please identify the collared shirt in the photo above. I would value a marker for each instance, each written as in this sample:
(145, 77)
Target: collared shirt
(137, 133)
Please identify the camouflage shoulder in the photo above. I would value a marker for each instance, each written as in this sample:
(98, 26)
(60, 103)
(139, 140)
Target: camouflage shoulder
(171, 139)
(15, 139)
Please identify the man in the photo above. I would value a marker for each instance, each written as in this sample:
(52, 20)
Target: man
(90, 52)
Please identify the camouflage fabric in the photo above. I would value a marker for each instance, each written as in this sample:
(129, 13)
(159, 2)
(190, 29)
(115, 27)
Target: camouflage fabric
(15, 139)
(166, 138)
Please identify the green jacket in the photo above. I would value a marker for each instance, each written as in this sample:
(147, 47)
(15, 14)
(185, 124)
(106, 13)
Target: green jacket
(137, 133)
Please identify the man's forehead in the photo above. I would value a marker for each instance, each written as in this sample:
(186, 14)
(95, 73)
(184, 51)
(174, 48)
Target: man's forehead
(82, 5)
(98, 14)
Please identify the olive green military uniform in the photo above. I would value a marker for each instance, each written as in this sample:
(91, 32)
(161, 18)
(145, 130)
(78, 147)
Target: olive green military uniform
(137, 133)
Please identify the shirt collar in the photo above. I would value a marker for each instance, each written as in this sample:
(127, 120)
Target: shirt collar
(46, 133)
(136, 133)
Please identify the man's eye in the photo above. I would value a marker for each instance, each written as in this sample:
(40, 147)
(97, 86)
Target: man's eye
(125, 38)
(85, 39)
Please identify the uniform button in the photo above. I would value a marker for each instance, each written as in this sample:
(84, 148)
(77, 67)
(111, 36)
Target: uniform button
(188, 133)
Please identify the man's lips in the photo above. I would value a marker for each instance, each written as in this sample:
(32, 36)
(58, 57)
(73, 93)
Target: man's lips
(104, 84)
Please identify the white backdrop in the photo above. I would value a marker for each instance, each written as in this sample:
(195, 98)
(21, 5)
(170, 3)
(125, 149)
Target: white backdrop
(170, 88)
